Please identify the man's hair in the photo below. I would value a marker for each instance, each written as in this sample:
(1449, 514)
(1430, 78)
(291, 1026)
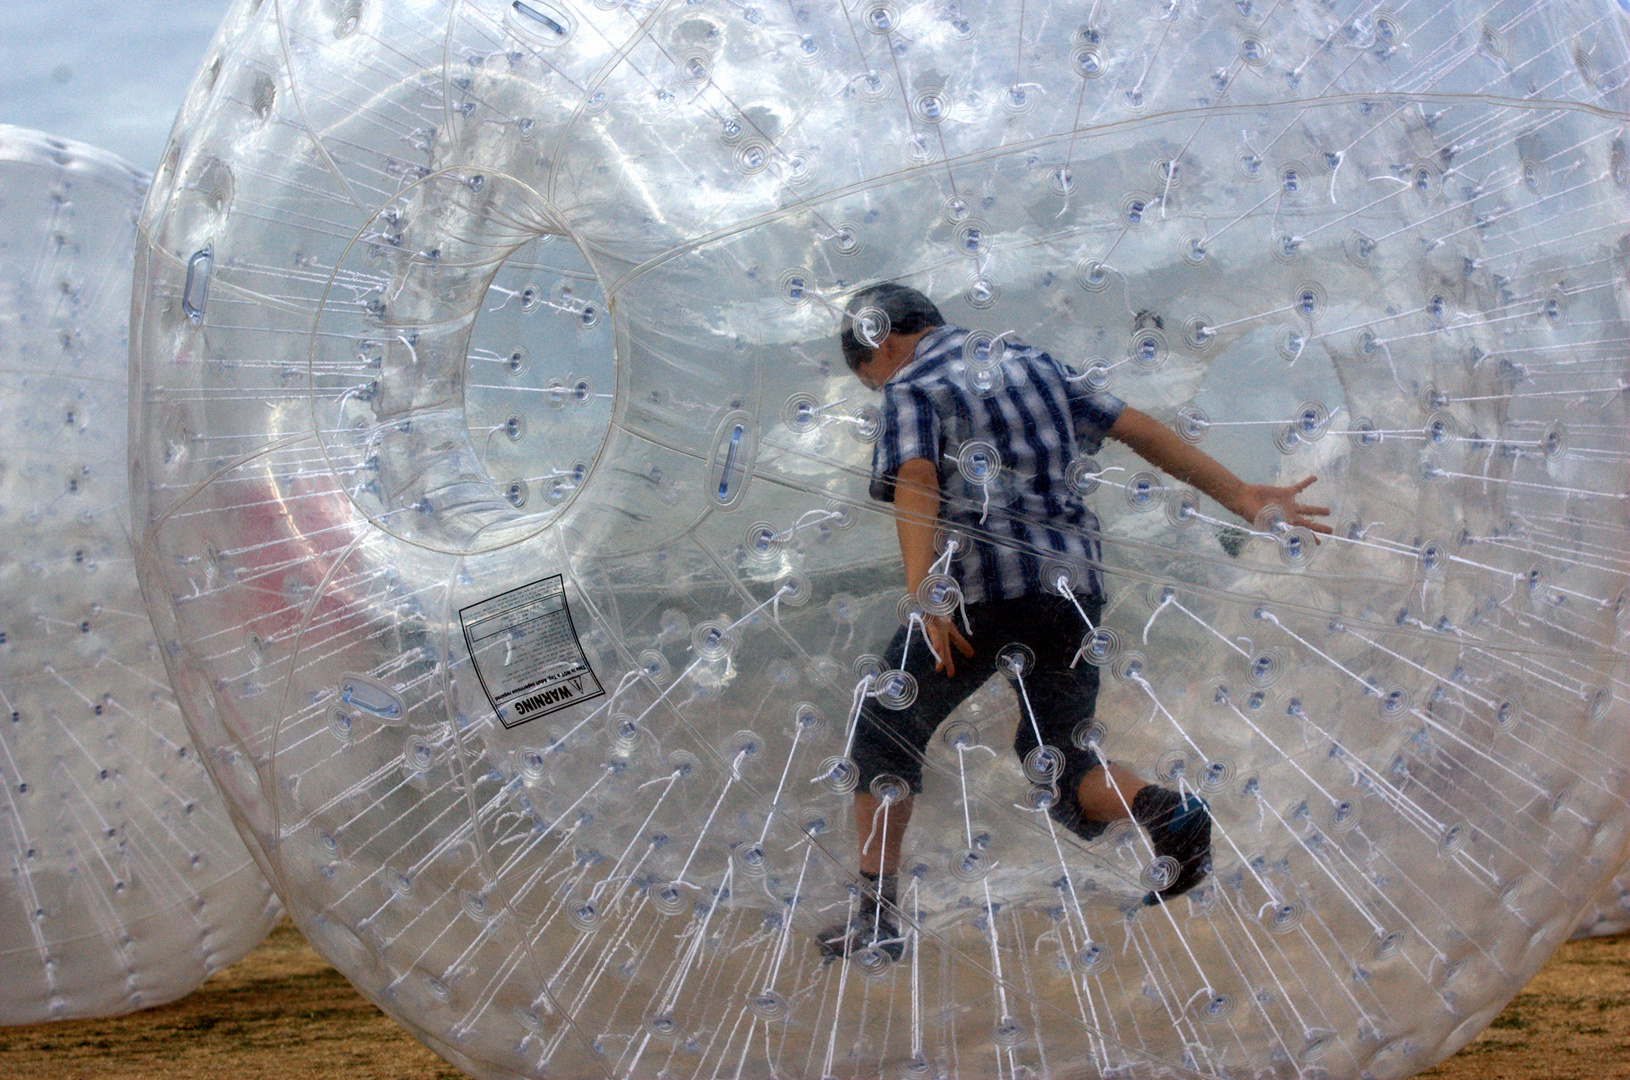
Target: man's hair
(905, 311)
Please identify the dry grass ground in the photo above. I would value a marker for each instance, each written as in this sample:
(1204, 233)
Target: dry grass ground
(283, 1014)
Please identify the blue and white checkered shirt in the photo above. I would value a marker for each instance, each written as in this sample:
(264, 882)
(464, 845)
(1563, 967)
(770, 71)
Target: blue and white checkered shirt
(1015, 506)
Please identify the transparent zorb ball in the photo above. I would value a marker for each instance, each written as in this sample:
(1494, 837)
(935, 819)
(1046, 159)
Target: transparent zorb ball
(124, 883)
(498, 467)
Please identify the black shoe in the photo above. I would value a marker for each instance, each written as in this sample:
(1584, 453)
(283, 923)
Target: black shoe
(1180, 829)
(862, 933)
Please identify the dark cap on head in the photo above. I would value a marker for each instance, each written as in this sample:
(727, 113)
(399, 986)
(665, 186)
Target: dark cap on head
(904, 310)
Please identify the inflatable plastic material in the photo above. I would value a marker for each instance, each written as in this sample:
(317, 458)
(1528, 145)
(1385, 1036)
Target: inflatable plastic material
(1611, 913)
(506, 515)
(122, 881)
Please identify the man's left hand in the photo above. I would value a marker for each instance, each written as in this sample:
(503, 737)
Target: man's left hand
(942, 635)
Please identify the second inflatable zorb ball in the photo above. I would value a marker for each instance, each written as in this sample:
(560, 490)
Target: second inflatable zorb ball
(1611, 912)
(122, 881)
(505, 514)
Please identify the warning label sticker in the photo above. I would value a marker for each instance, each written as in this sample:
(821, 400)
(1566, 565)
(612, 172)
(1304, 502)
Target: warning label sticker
(526, 652)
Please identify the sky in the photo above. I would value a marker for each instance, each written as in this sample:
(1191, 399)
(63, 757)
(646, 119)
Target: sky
(107, 73)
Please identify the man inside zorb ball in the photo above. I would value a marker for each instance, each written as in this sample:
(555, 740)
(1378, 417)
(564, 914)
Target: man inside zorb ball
(1002, 555)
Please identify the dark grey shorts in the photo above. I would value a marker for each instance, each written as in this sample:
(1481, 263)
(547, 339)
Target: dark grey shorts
(1060, 697)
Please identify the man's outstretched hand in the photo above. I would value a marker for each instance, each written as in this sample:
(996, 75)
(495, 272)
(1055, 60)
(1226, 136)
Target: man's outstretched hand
(1161, 447)
(1254, 498)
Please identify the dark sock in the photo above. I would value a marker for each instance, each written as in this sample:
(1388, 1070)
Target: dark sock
(878, 889)
(872, 920)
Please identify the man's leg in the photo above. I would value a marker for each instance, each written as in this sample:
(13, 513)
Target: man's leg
(1060, 695)
(1106, 793)
(881, 829)
(892, 743)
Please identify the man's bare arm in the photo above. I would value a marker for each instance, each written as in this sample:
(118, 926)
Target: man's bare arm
(1161, 447)
(916, 519)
